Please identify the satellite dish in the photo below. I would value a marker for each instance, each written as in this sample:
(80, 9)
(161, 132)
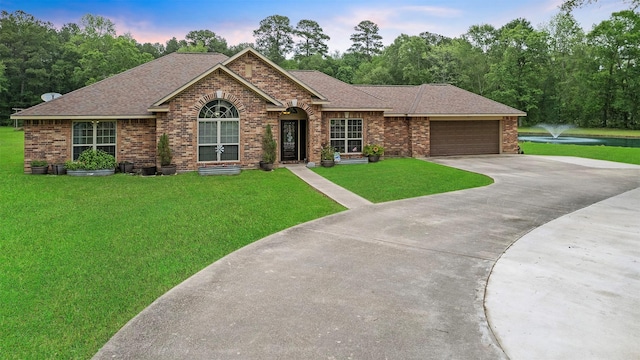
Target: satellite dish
(50, 96)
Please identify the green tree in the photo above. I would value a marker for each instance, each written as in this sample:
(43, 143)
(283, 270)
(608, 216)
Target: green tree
(616, 48)
(565, 88)
(173, 45)
(102, 53)
(312, 39)
(3, 78)
(519, 67)
(156, 49)
(274, 37)
(234, 49)
(209, 39)
(28, 48)
(366, 40)
(197, 48)
(569, 5)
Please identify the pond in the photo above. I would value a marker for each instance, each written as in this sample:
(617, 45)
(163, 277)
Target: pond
(575, 140)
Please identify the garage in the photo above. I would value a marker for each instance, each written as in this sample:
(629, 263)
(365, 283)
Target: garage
(465, 137)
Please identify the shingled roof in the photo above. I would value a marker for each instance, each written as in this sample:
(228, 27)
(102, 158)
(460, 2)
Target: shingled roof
(138, 91)
(341, 96)
(437, 100)
(130, 93)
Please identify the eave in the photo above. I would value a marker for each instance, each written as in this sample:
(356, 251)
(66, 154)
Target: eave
(454, 116)
(81, 117)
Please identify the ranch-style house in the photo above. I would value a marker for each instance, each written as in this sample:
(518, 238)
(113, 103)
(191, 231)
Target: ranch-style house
(215, 108)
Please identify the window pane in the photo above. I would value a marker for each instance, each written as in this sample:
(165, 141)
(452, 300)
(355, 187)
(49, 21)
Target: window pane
(208, 132)
(77, 150)
(338, 145)
(230, 153)
(106, 132)
(355, 129)
(207, 153)
(229, 132)
(337, 129)
(355, 146)
(82, 133)
(218, 109)
(109, 149)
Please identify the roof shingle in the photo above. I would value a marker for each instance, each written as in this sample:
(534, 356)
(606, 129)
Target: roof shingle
(340, 94)
(129, 93)
(437, 99)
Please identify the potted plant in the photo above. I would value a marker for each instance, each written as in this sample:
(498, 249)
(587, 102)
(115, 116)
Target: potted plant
(327, 156)
(39, 167)
(166, 155)
(268, 150)
(59, 169)
(373, 151)
(125, 166)
(92, 163)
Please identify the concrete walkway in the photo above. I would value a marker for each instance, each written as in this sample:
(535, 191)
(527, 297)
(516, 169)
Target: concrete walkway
(339, 194)
(399, 280)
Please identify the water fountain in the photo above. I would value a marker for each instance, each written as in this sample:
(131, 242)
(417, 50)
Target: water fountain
(556, 131)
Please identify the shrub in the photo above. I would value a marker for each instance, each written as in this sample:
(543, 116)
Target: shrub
(164, 151)
(268, 146)
(327, 152)
(39, 163)
(373, 149)
(92, 160)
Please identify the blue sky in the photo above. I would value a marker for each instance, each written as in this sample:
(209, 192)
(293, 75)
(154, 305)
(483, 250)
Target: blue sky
(159, 20)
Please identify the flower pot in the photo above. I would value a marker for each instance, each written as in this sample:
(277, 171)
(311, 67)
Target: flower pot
(40, 170)
(374, 158)
(168, 169)
(59, 169)
(266, 166)
(328, 163)
(126, 167)
(149, 170)
(99, 172)
(219, 170)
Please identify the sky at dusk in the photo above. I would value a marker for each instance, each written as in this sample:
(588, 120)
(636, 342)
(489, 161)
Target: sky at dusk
(160, 20)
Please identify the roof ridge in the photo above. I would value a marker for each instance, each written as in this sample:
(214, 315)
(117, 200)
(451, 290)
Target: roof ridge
(416, 100)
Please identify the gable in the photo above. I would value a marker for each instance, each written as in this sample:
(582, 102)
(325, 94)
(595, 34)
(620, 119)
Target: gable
(271, 78)
(219, 68)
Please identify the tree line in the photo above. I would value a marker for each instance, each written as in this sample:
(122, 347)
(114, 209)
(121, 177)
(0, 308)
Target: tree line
(557, 73)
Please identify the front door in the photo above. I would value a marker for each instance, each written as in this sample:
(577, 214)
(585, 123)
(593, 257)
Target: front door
(293, 140)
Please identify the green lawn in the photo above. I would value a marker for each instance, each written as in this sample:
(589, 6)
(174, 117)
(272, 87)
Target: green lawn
(79, 257)
(394, 179)
(610, 153)
(602, 132)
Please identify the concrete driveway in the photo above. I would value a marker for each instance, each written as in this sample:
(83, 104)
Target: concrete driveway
(399, 280)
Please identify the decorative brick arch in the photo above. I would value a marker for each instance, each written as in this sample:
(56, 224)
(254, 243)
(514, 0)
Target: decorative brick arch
(302, 105)
(219, 95)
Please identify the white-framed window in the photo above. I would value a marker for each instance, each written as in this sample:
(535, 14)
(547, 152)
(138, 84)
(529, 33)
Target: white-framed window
(97, 135)
(346, 135)
(218, 132)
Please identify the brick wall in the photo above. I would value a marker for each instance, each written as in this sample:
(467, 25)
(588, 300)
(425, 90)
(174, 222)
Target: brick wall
(510, 135)
(51, 140)
(396, 137)
(419, 132)
(136, 142)
(46, 140)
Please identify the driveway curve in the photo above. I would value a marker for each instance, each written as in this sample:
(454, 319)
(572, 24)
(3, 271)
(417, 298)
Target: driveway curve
(399, 280)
